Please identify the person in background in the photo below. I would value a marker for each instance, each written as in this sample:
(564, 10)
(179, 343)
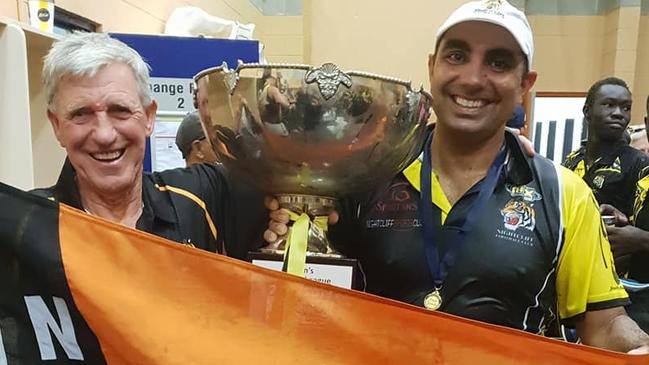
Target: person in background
(273, 100)
(605, 160)
(630, 243)
(517, 121)
(192, 143)
(477, 228)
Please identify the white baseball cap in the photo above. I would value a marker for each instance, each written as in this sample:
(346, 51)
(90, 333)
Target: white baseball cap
(498, 12)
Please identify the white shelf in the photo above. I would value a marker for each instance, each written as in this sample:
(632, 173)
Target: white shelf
(30, 156)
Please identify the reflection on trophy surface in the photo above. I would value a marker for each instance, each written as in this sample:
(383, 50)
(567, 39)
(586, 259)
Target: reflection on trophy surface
(308, 135)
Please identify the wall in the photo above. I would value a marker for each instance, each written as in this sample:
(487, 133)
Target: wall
(588, 41)
(572, 51)
(568, 53)
(641, 85)
(283, 36)
(145, 16)
(369, 35)
(384, 37)
(9, 8)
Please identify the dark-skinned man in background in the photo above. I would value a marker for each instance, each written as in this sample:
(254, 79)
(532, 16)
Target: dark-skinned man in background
(630, 243)
(605, 160)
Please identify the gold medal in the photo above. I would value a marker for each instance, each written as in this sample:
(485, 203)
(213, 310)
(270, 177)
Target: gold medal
(433, 300)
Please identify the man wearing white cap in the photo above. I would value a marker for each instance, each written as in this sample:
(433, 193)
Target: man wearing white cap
(475, 227)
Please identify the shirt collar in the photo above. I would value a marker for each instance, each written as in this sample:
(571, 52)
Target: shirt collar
(517, 169)
(66, 191)
(609, 159)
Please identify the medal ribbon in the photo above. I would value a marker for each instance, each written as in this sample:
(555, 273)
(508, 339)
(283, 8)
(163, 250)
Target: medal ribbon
(442, 245)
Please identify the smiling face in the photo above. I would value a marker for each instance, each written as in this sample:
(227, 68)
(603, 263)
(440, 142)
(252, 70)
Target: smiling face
(102, 124)
(609, 113)
(477, 76)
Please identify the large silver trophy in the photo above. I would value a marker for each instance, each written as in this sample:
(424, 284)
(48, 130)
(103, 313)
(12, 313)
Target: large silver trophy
(308, 135)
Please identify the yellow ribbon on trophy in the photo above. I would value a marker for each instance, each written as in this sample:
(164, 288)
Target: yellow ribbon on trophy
(297, 241)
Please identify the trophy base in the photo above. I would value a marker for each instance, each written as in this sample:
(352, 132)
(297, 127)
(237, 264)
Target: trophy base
(274, 251)
(323, 268)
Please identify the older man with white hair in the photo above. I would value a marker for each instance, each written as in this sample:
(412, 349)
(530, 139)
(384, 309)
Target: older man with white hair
(101, 110)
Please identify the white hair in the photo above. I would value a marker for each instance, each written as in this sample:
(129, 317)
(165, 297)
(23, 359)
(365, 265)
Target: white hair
(83, 54)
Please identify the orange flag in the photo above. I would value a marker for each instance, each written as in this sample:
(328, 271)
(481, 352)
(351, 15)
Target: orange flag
(140, 299)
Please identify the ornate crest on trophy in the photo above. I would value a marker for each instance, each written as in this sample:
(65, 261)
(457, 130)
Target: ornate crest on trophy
(329, 77)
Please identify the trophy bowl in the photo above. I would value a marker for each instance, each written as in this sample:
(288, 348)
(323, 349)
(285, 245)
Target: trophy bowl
(308, 135)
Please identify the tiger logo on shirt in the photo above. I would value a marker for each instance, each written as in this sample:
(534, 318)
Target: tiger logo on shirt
(518, 214)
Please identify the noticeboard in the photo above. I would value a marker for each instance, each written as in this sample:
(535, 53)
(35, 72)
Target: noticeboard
(174, 61)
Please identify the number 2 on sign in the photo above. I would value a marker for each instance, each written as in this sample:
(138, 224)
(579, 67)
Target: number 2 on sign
(181, 103)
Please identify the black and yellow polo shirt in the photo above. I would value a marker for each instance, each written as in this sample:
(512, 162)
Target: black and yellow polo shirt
(194, 206)
(538, 247)
(612, 178)
(639, 269)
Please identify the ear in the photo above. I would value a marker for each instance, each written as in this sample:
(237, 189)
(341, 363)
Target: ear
(586, 110)
(431, 67)
(56, 127)
(198, 149)
(528, 82)
(150, 112)
(645, 125)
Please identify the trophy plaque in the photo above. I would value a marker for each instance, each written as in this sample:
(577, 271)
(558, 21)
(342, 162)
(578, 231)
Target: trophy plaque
(308, 136)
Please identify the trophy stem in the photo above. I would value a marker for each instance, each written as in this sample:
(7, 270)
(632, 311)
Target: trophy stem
(317, 208)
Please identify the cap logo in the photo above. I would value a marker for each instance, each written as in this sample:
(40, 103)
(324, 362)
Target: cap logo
(491, 4)
(491, 8)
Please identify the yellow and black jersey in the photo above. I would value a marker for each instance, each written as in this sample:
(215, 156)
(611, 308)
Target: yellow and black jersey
(612, 178)
(639, 269)
(539, 245)
(193, 206)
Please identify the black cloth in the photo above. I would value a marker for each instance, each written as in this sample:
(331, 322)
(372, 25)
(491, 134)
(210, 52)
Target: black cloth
(197, 206)
(499, 271)
(613, 177)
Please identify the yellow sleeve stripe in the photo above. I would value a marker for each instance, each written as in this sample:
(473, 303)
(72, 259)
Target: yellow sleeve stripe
(193, 198)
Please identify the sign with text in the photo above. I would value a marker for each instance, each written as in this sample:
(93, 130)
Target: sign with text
(173, 94)
(340, 276)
